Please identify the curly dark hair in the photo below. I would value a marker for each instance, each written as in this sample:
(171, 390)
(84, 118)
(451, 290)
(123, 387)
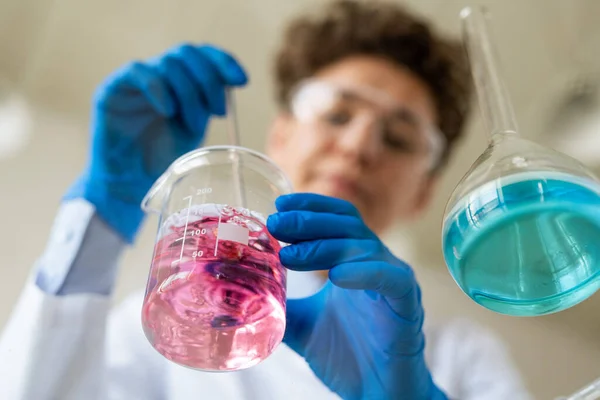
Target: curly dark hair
(351, 27)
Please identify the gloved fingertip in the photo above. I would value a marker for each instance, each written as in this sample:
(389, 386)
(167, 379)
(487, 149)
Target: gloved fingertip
(201, 124)
(287, 255)
(220, 111)
(220, 105)
(350, 275)
(293, 255)
(338, 276)
(272, 223)
(237, 76)
(282, 202)
(232, 72)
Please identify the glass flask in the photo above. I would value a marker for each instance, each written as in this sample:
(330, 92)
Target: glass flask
(589, 392)
(521, 231)
(216, 292)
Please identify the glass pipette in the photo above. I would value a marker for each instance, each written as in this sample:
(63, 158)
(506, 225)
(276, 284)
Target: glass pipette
(234, 140)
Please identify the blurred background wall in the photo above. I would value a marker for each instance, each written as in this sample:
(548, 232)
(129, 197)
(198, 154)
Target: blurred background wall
(54, 53)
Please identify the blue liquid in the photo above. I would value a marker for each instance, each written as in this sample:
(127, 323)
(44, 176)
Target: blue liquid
(526, 245)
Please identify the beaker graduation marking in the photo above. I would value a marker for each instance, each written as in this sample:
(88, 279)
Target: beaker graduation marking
(184, 231)
(217, 241)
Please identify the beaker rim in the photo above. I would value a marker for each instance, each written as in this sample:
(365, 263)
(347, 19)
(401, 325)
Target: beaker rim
(182, 165)
(210, 149)
(239, 149)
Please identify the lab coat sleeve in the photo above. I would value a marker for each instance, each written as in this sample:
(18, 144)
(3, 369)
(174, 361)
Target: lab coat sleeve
(58, 343)
(483, 365)
(82, 253)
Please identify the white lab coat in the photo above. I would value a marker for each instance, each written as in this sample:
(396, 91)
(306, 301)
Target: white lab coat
(76, 347)
(72, 348)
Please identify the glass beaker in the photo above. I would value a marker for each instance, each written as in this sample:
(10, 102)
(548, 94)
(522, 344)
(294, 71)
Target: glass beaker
(216, 292)
(521, 232)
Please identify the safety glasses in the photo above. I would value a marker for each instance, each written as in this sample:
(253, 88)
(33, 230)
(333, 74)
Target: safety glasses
(333, 108)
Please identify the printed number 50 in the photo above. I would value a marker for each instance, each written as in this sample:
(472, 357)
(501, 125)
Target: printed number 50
(198, 253)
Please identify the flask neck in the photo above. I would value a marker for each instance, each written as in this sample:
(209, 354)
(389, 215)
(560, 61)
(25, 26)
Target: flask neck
(494, 102)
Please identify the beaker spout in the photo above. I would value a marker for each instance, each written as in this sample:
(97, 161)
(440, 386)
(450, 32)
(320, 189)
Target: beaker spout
(154, 199)
(496, 108)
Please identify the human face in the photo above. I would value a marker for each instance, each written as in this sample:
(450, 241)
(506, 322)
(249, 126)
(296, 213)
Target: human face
(362, 132)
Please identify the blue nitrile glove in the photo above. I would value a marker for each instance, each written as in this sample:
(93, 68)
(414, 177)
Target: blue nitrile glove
(362, 333)
(145, 116)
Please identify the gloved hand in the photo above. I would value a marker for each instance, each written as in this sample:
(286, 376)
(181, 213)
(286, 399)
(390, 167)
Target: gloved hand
(362, 333)
(145, 116)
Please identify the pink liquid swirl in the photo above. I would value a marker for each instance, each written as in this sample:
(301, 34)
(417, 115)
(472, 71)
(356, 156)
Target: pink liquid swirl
(213, 310)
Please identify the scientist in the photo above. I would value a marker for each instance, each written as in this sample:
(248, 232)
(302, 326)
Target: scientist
(371, 104)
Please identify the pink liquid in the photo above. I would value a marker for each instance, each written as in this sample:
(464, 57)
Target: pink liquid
(218, 312)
